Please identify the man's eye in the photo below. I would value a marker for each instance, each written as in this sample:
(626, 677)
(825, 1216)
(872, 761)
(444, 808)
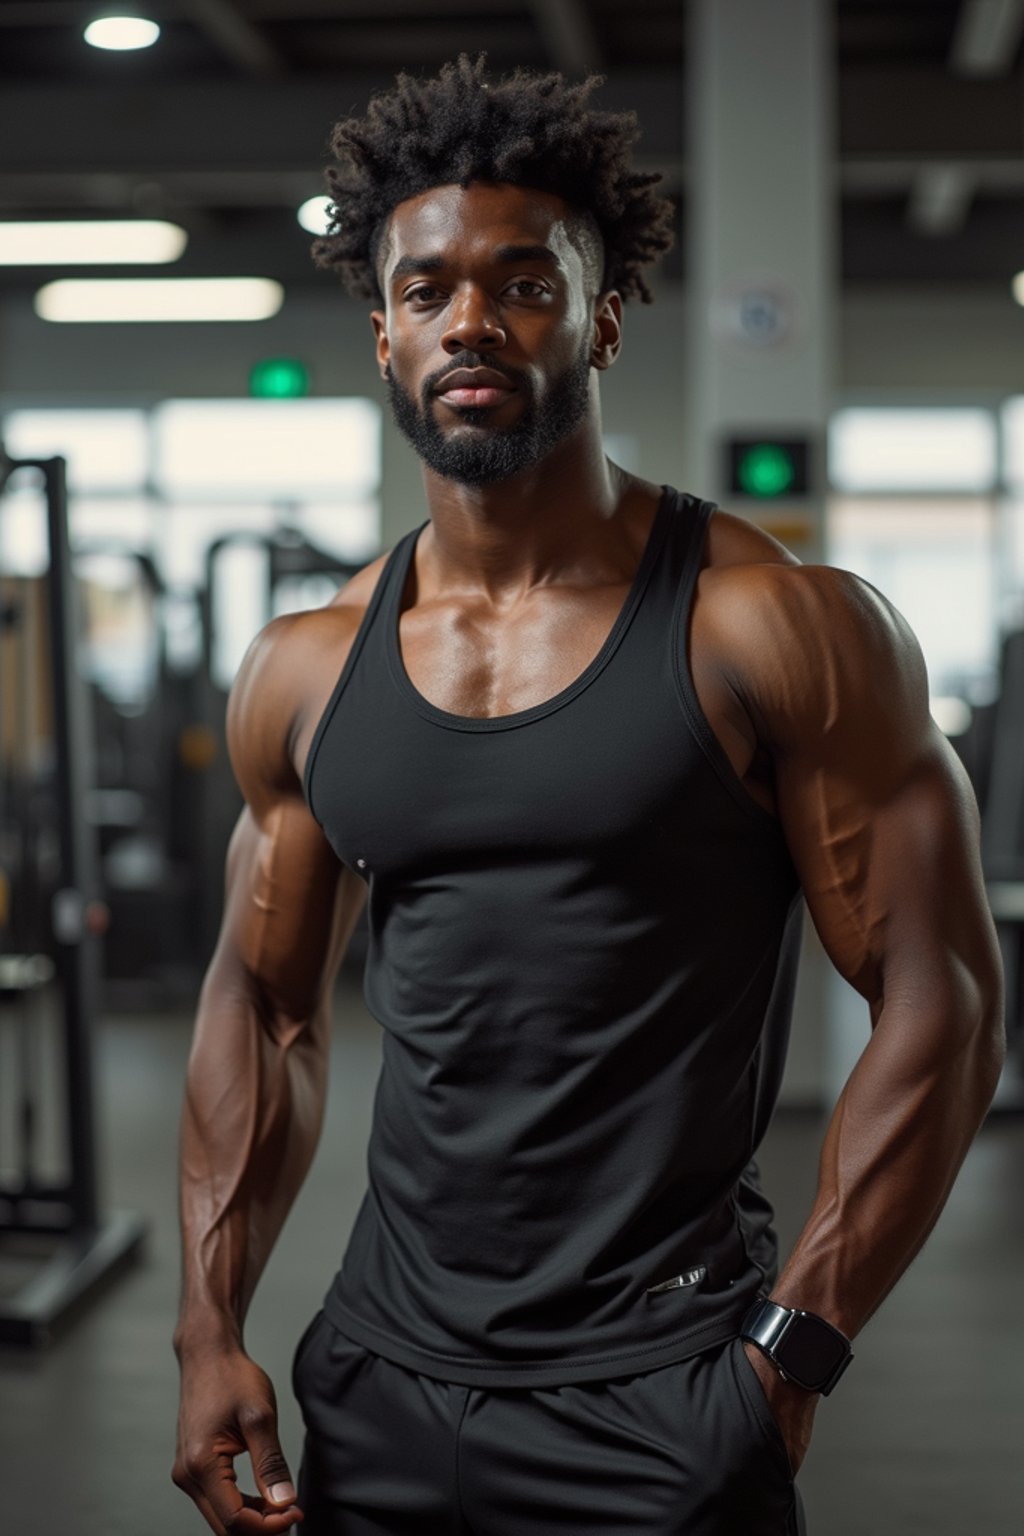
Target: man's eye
(523, 288)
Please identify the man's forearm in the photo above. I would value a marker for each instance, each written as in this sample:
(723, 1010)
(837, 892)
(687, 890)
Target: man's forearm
(251, 1119)
(898, 1135)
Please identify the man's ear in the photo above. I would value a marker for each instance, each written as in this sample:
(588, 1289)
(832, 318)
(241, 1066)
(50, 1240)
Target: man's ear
(378, 319)
(607, 329)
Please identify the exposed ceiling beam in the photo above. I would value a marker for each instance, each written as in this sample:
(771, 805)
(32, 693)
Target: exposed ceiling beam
(122, 190)
(236, 37)
(269, 187)
(892, 123)
(940, 198)
(888, 176)
(911, 110)
(248, 125)
(76, 13)
(568, 34)
(986, 37)
(423, 41)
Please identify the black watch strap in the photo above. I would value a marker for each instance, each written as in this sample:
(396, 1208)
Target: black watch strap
(803, 1347)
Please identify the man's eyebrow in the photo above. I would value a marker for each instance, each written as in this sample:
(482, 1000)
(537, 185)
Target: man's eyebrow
(406, 265)
(526, 253)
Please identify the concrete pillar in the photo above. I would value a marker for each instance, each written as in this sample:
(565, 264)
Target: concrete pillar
(762, 292)
(761, 246)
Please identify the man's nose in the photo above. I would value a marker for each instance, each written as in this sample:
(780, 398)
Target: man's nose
(472, 325)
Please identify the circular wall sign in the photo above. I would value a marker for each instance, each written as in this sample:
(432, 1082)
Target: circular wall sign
(755, 313)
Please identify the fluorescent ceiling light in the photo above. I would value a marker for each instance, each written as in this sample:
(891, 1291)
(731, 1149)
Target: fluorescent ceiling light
(121, 33)
(940, 196)
(109, 300)
(313, 215)
(986, 37)
(90, 242)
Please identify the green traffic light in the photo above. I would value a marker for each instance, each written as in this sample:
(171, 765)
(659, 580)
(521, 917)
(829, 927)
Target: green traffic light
(279, 378)
(766, 470)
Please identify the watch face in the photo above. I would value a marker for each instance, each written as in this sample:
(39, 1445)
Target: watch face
(810, 1352)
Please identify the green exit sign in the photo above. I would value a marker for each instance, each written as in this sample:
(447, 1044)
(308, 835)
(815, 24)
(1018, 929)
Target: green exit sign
(767, 468)
(279, 378)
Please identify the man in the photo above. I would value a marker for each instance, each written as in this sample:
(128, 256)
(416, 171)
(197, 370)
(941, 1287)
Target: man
(586, 745)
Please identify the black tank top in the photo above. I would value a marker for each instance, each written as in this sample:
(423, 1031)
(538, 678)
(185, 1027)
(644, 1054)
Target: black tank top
(583, 937)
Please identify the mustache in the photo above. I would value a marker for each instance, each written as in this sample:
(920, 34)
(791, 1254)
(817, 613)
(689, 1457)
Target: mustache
(473, 360)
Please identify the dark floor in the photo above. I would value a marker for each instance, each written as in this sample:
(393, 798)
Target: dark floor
(925, 1436)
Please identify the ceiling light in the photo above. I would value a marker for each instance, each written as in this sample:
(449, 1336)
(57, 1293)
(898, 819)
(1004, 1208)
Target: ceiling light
(110, 300)
(313, 215)
(90, 242)
(986, 37)
(121, 33)
(1018, 287)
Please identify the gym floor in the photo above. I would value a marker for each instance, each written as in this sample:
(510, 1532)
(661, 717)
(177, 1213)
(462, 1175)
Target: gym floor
(925, 1436)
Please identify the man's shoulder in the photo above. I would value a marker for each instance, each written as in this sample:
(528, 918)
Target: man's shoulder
(735, 541)
(811, 606)
(289, 672)
(302, 639)
(749, 581)
(797, 643)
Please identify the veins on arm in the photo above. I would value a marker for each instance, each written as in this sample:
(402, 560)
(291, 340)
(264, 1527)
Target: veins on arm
(883, 830)
(835, 682)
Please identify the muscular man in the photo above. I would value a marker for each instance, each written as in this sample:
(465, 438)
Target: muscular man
(585, 746)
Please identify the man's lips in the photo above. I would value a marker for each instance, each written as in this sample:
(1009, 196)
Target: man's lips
(488, 395)
(475, 386)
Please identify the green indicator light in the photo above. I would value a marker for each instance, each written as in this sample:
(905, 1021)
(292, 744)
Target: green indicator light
(765, 470)
(279, 378)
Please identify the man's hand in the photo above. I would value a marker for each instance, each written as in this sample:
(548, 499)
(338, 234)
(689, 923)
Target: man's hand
(228, 1407)
(792, 1407)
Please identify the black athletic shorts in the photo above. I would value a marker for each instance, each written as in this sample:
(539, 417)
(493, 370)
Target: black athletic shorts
(689, 1449)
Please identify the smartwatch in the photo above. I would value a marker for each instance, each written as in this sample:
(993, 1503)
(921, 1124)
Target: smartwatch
(803, 1347)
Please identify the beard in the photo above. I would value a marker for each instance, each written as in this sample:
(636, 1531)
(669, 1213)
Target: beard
(480, 457)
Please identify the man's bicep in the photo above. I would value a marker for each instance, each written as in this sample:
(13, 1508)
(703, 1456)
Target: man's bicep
(290, 907)
(290, 904)
(875, 806)
(889, 860)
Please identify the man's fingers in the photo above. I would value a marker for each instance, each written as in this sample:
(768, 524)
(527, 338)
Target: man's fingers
(268, 1464)
(205, 1508)
(187, 1475)
(184, 1480)
(230, 1513)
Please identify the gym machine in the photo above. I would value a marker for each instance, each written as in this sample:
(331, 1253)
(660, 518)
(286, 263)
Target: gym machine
(1003, 851)
(50, 928)
(139, 709)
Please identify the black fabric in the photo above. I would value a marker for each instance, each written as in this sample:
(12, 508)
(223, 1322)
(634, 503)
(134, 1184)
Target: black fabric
(583, 936)
(690, 1449)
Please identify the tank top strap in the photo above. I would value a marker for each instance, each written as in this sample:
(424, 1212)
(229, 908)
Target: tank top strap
(684, 545)
(370, 633)
(674, 576)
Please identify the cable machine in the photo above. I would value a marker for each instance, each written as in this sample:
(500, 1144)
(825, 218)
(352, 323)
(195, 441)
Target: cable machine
(62, 949)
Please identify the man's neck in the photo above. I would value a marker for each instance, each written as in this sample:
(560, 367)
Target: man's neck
(553, 519)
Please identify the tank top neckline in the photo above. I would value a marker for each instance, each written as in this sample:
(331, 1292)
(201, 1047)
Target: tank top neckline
(404, 555)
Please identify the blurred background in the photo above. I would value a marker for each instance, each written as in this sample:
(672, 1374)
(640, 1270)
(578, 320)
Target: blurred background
(195, 439)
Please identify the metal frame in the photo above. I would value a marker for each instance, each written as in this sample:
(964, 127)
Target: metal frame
(88, 1249)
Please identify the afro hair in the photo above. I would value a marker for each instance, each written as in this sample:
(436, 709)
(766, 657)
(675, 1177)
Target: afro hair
(529, 129)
